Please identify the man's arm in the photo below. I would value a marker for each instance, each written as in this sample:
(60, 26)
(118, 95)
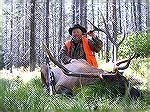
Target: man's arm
(63, 55)
(95, 44)
(98, 44)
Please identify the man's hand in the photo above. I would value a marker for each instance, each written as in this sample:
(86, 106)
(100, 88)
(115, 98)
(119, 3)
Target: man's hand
(92, 34)
(73, 60)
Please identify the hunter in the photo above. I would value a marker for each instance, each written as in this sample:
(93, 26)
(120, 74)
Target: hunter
(80, 47)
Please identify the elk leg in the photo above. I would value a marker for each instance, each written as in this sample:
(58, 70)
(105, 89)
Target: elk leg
(44, 74)
(47, 77)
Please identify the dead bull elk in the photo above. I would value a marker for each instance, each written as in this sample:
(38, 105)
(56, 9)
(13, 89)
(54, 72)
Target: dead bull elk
(63, 78)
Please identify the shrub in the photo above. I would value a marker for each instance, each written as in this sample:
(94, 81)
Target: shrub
(136, 43)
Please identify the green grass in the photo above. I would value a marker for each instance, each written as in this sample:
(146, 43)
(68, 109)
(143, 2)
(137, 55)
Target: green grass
(29, 96)
(17, 96)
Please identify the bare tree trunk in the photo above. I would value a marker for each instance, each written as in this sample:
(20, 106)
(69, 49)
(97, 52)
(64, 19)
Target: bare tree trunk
(64, 24)
(1, 41)
(32, 37)
(134, 16)
(11, 37)
(60, 26)
(120, 26)
(77, 21)
(126, 9)
(54, 24)
(47, 27)
(92, 11)
(26, 37)
(107, 46)
(114, 23)
(100, 54)
(83, 13)
(139, 15)
(73, 11)
(148, 14)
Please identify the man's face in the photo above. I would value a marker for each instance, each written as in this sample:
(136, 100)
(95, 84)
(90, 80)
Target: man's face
(77, 33)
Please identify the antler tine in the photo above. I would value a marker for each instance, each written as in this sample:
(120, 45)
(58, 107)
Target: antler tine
(122, 61)
(95, 28)
(53, 59)
(127, 65)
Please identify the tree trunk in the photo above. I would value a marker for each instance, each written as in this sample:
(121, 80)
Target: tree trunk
(77, 20)
(127, 21)
(83, 13)
(32, 37)
(47, 27)
(11, 37)
(92, 11)
(60, 26)
(120, 26)
(73, 12)
(148, 13)
(107, 46)
(26, 29)
(134, 16)
(54, 24)
(114, 23)
(139, 16)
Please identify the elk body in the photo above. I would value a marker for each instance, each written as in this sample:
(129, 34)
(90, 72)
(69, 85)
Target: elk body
(80, 72)
(61, 79)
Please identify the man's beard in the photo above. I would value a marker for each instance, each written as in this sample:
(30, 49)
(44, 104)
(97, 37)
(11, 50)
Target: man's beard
(76, 39)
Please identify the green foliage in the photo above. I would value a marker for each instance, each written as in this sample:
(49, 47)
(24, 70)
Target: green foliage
(139, 69)
(136, 43)
(140, 66)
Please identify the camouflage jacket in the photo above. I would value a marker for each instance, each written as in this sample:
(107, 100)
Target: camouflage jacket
(76, 51)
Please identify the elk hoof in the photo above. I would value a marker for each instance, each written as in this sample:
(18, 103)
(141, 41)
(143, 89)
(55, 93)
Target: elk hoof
(134, 93)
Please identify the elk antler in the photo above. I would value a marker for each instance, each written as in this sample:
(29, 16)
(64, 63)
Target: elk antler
(106, 31)
(95, 28)
(103, 30)
(125, 66)
(53, 59)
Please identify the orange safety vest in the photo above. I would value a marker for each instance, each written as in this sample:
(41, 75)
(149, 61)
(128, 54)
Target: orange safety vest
(88, 53)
